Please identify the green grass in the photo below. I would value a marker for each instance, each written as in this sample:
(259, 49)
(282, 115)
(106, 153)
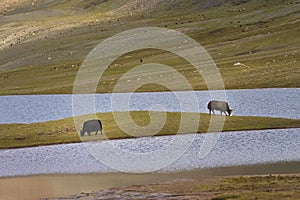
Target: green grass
(64, 131)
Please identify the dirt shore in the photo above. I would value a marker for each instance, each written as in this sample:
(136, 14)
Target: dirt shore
(250, 187)
(148, 186)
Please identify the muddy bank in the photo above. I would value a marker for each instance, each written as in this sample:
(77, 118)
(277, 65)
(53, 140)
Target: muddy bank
(250, 187)
(50, 186)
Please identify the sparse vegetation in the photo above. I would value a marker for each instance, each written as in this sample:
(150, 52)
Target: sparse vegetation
(275, 187)
(42, 48)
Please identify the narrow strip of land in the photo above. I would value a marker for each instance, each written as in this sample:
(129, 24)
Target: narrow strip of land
(64, 131)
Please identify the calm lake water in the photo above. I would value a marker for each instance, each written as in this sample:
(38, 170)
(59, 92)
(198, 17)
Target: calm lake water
(254, 102)
(232, 149)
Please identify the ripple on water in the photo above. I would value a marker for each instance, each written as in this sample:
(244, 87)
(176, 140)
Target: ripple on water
(233, 148)
(254, 102)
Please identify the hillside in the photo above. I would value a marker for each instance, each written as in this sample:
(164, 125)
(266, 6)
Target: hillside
(43, 43)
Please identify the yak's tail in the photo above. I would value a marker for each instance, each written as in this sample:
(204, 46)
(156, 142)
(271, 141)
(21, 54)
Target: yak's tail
(208, 105)
(100, 123)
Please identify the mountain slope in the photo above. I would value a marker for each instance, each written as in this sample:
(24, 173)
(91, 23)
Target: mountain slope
(42, 43)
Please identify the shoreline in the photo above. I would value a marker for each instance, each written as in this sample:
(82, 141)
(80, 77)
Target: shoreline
(58, 185)
(82, 142)
(270, 186)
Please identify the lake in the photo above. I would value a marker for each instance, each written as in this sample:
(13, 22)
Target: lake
(232, 149)
(255, 102)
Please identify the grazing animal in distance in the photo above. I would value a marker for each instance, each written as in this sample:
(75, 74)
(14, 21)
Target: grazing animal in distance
(89, 126)
(219, 105)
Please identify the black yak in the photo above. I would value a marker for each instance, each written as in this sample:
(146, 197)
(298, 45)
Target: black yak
(89, 126)
(219, 105)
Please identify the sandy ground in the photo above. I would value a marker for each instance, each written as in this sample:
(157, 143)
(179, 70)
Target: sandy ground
(51, 186)
(7, 5)
(89, 186)
(199, 189)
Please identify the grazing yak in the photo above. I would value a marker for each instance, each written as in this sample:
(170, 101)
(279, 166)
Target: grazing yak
(89, 126)
(219, 105)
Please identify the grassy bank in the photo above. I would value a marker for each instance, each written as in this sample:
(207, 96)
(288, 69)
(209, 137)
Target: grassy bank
(64, 131)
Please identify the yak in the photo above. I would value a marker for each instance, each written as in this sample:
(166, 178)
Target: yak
(219, 105)
(89, 126)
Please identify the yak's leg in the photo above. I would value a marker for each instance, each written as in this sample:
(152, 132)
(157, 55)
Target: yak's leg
(221, 112)
(89, 133)
(210, 111)
(213, 111)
